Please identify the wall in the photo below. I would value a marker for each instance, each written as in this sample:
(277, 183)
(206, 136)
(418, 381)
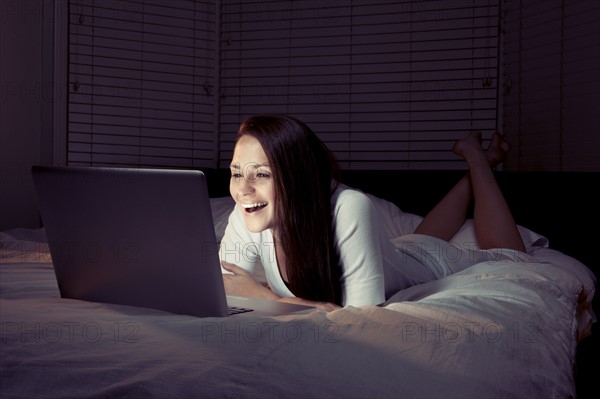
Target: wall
(29, 108)
(32, 101)
(551, 59)
(21, 102)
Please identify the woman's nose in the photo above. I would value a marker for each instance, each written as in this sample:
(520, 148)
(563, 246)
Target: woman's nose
(245, 185)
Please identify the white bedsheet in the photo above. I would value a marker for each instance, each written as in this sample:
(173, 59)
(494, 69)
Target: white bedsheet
(496, 329)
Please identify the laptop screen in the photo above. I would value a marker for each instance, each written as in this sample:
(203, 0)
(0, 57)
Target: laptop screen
(141, 237)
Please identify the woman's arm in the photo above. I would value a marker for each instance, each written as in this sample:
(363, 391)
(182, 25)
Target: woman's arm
(240, 282)
(358, 233)
(326, 306)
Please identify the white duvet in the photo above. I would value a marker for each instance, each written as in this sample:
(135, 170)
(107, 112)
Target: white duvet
(496, 329)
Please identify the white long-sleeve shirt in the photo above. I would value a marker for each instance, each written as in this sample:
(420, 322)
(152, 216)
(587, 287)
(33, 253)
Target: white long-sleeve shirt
(372, 268)
(379, 254)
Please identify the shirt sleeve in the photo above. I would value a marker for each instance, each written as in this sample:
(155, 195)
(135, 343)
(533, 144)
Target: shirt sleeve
(358, 242)
(239, 246)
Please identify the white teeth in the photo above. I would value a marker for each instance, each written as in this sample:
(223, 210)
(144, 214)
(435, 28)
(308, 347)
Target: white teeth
(254, 205)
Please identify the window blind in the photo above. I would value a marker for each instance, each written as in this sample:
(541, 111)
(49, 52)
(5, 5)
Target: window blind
(386, 84)
(141, 83)
(552, 84)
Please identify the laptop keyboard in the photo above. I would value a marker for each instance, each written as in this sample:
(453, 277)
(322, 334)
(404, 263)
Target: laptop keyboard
(237, 310)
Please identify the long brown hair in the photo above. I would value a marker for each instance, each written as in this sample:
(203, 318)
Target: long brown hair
(304, 174)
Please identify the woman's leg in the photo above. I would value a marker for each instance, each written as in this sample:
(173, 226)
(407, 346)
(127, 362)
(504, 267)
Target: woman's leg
(494, 224)
(446, 218)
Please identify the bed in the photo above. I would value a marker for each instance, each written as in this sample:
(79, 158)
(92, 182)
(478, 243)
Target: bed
(508, 327)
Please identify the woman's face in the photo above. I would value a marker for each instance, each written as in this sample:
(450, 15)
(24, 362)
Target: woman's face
(251, 184)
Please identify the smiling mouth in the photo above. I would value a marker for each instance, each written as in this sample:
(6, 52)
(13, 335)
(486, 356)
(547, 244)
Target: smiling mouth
(257, 206)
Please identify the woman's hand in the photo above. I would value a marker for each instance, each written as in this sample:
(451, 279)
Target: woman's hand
(241, 283)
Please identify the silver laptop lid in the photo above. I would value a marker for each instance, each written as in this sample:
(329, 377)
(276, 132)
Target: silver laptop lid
(141, 237)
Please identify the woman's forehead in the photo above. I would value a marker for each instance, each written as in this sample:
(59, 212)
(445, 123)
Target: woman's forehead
(248, 149)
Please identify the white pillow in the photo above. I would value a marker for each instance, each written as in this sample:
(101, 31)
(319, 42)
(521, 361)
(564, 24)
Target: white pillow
(221, 208)
(398, 223)
(466, 235)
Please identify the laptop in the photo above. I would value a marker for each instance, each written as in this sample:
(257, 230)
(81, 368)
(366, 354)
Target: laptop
(141, 237)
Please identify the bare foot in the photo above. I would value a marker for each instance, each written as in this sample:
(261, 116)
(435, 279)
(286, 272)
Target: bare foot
(497, 150)
(469, 148)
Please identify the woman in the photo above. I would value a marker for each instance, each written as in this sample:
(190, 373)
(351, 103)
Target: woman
(321, 243)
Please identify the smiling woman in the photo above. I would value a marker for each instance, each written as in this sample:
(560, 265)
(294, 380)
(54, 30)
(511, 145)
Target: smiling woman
(275, 160)
(324, 244)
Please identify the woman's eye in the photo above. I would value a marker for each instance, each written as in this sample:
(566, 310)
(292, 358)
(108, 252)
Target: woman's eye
(262, 175)
(236, 175)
